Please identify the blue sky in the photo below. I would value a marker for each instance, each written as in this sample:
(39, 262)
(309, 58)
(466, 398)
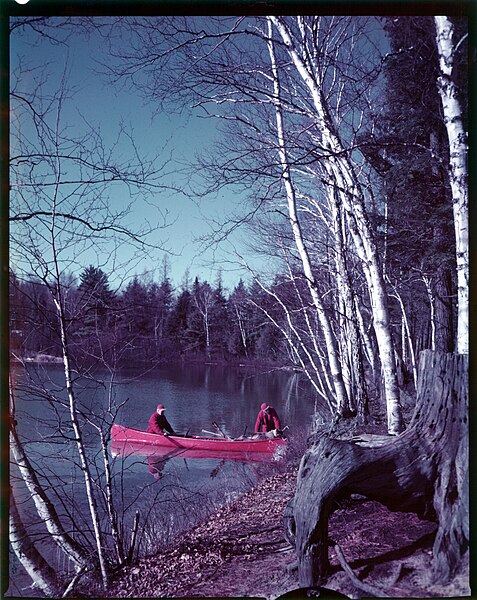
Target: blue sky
(165, 134)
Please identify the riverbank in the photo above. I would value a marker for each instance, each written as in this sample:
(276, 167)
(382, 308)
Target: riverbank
(241, 551)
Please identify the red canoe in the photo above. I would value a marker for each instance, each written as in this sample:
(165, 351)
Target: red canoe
(155, 452)
(120, 433)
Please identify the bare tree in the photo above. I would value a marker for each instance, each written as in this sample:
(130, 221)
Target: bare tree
(341, 395)
(303, 50)
(203, 302)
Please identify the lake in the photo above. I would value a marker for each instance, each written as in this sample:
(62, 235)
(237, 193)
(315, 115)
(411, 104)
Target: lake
(170, 495)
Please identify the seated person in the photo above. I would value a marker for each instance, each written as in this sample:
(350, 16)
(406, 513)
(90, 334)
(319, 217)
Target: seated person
(158, 422)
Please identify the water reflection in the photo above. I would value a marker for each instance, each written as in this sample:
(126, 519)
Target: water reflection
(156, 466)
(158, 456)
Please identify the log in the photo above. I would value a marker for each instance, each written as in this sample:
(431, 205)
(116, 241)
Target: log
(423, 470)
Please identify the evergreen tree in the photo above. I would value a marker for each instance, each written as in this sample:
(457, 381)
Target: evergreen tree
(220, 323)
(135, 302)
(177, 324)
(97, 300)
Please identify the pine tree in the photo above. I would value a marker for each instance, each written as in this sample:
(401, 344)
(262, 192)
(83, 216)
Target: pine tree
(97, 300)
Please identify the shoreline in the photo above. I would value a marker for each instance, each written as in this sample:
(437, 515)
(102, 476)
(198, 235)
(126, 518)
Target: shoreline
(41, 358)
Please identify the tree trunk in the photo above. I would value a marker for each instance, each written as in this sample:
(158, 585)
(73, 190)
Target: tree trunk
(342, 175)
(45, 509)
(424, 470)
(351, 340)
(33, 562)
(442, 294)
(84, 463)
(458, 151)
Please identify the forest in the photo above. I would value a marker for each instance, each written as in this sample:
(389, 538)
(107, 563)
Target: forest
(345, 142)
(148, 323)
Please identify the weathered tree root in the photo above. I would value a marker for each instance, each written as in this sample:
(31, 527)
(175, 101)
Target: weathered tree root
(361, 585)
(423, 470)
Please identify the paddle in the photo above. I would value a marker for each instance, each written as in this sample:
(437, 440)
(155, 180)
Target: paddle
(212, 433)
(175, 442)
(217, 427)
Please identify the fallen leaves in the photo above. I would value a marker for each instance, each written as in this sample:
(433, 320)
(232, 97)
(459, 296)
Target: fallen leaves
(248, 527)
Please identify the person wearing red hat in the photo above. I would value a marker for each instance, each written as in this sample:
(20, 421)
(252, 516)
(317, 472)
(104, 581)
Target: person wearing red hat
(158, 422)
(267, 419)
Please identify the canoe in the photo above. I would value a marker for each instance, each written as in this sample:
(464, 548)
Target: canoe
(162, 453)
(119, 433)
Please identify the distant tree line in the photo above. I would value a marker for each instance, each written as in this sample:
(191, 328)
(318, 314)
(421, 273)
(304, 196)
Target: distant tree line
(147, 322)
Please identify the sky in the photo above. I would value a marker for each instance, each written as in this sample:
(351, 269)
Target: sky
(173, 136)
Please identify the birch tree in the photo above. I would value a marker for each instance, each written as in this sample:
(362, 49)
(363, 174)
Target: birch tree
(458, 168)
(303, 52)
(219, 62)
(60, 183)
(340, 390)
(34, 563)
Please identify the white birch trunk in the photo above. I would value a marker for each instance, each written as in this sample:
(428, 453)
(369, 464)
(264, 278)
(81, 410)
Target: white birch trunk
(113, 518)
(80, 446)
(367, 344)
(32, 561)
(243, 333)
(207, 333)
(342, 172)
(408, 337)
(58, 301)
(44, 507)
(340, 390)
(430, 295)
(350, 331)
(458, 151)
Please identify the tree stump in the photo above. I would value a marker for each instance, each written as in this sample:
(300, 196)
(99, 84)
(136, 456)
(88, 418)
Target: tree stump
(423, 470)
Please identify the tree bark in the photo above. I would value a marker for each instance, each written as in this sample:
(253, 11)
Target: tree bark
(33, 562)
(424, 470)
(458, 150)
(45, 509)
(442, 295)
(351, 340)
(85, 467)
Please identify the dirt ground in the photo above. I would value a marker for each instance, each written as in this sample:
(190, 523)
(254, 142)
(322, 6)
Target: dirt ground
(241, 552)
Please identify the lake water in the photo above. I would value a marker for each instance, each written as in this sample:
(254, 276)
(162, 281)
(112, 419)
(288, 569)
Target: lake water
(170, 495)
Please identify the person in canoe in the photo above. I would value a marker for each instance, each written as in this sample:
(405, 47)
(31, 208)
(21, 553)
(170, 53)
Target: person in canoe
(158, 422)
(267, 420)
